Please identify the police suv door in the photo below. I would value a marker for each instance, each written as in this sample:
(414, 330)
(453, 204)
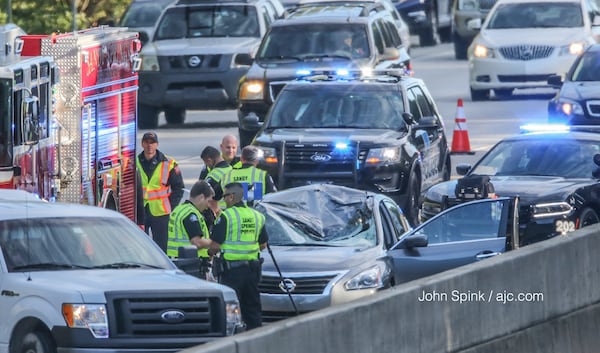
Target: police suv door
(458, 236)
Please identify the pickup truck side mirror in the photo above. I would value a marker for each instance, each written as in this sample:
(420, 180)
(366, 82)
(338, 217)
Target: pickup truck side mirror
(555, 81)
(474, 24)
(243, 59)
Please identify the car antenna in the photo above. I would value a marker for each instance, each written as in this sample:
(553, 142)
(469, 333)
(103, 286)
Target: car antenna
(283, 283)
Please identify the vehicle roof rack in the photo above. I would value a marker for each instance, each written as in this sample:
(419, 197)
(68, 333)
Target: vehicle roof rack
(367, 8)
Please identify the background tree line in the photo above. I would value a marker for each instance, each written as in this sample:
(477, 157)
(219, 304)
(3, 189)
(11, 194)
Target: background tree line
(47, 16)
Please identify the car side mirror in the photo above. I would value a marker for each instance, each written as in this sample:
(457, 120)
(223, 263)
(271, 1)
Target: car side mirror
(463, 169)
(474, 24)
(251, 122)
(244, 59)
(408, 118)
(555, 81)
(144, 37)
(413, 241)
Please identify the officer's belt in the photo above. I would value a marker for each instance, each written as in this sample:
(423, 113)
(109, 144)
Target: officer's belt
(237, 264)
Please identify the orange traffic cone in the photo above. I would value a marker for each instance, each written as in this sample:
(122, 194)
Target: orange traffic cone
(460, 137)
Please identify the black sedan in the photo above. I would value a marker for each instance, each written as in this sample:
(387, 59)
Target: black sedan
(331, 244)
(578, 100)
(555, 174)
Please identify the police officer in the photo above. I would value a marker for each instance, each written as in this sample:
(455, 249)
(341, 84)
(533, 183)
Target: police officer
(162, 187)
(240, 235)
(187, 225)
(218, 168)
(229, 148)
(256, 182)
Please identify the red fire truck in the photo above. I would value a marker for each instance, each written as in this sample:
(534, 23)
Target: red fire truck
(70, 125)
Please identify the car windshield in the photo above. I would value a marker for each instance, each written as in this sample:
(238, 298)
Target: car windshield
(320, 218)
(539, 14)
(338, 107)
(143, 13)
(540, 157)
(209, 21)
(76, 243)
(315, 41)
(587, 67)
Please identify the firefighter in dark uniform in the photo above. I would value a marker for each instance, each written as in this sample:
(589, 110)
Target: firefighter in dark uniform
(218, 168)
(187, 225)
(256, 182)
(239, 234)
(162, 186)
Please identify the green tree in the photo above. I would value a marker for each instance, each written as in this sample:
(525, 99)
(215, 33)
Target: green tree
(47, 16)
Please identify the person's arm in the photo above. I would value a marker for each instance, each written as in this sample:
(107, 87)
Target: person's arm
(263, 238)
(176, 183)
(203, 173)
(194, 230)
(216, 187)
(218, 235)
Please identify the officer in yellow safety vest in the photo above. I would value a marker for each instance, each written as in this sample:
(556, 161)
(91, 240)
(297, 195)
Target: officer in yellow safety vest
(187, 225)
(162, 187)
(229, 148)
(256, 182)
(218, 168)
(239, 234)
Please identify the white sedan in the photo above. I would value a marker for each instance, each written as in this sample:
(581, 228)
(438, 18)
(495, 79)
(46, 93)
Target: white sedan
(523, 42)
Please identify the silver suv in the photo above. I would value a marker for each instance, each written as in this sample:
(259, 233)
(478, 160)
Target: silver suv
(192, 60)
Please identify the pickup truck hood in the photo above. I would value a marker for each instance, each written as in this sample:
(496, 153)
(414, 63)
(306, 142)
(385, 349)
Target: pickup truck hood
(321, 135)
(529, 188)
(319, 258)
(92, 284)
(201, 46)
(540, 36)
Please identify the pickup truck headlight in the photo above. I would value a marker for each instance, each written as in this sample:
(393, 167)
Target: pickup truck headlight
(570, 107)
(383, 155)
(90, 316)
(150, 63)
(574, 48)
(252, 90)
(234, 317)
(267, 154)
(369, 278)
(481, 51)
(552, 209)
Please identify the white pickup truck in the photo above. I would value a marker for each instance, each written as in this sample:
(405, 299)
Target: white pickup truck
(77, 278)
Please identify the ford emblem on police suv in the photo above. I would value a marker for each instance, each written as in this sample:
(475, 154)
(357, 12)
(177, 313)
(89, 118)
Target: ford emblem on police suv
(194, 61)
(173, 316)
(320, 157)
(287, 285)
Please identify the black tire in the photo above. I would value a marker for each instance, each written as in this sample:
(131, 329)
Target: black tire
(447, 172)
(430, 36)
(32, 342)
(503, 93)
(147, 116)
(460, 47)
(413, 203)
(174, 115)
(480, 94)
(246, 137)
(588, 217)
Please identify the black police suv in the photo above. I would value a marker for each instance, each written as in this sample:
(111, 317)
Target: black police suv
(578, 100)
(556, 175)
(380, 132)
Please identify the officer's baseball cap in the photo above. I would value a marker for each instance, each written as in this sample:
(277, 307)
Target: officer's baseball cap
(150, 136)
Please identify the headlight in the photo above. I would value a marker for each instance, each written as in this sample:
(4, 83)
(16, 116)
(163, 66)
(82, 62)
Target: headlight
(370, 278)
(572, 49)
(468, 5)
(481, 51)
(552, 209)
(267, 154)
(90, 316)
(150, 63)
(234, 317)
(570, 108)
(252, 90)
(383, 155)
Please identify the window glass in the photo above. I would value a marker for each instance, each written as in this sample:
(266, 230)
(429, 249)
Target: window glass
(413, 105)
(424, 104)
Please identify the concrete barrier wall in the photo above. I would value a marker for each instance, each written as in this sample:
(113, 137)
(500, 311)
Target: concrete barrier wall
(558, 280)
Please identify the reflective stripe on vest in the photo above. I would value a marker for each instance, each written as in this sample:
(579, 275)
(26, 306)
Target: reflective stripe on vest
(250, 178)
(156, 190)
(178, 235)
(243, 228)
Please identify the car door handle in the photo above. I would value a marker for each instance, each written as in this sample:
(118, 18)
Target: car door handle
(486, 254)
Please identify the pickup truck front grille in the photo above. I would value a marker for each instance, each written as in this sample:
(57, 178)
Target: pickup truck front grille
(164, 314)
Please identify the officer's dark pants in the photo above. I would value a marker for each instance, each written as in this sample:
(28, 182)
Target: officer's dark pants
(245, 282)
(160, 229)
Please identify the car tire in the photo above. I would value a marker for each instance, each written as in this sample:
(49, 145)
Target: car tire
(413, 197)
(588, 217)
(480, 94)
(447, 172)
(147, 116)
(460, 47)
(32, 342)
(175, 115)
(430, 36)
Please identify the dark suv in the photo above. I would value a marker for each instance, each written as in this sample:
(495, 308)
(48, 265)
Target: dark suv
(381, 133)
(312, 38)
(192, 60)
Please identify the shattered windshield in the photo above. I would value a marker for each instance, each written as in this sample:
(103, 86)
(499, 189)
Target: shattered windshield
(343, 106)
(209, 21)
(320, 218)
